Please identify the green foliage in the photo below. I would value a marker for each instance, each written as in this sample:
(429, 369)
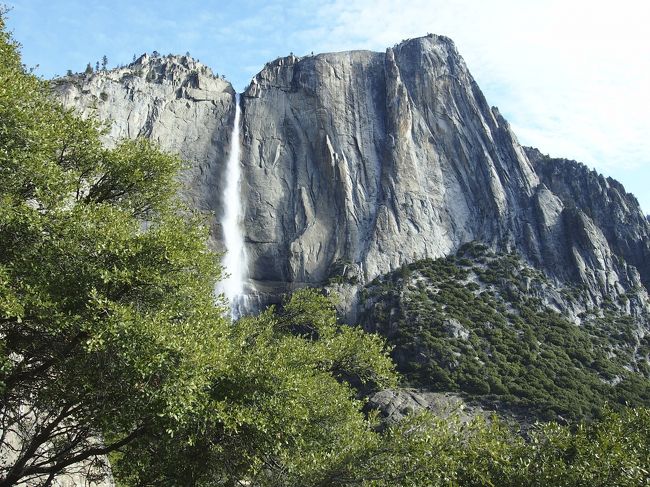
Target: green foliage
(429, 451)
(284, 411)
(475, 323)
(277, 417)
(109, 326)
(108, 323)
(346, 352)
(109, 329)
(426, 450)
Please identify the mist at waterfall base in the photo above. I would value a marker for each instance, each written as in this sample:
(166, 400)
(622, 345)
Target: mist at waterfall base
(234, 261)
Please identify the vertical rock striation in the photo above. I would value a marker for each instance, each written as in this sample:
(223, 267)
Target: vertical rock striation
(605, 203)
(377, 159)
(364, 161)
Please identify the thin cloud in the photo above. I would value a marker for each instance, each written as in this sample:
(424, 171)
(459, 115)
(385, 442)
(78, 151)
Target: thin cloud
(572, 77)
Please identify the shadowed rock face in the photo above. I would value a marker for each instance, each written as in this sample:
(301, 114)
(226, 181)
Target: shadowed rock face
(374, 160)
(605, 202)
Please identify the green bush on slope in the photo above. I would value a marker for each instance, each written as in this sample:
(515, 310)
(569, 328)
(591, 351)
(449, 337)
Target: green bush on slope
(279, 418)
(475, 323)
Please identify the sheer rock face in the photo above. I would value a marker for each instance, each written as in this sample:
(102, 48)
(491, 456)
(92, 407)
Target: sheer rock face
(173, 100)
(377, 159)
(374, 160)
(605, 203)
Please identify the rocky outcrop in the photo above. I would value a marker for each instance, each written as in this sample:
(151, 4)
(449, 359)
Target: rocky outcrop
(174, 100)
(604, 202)
(395, 405)
(374, 160)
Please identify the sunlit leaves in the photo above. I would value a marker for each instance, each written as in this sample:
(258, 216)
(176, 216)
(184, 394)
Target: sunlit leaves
(108, 319)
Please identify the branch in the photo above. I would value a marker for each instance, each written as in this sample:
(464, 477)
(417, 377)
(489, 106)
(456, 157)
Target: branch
(18, 470)
(91, 452)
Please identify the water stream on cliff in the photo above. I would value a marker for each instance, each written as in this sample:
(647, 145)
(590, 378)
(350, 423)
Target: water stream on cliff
(234, 261)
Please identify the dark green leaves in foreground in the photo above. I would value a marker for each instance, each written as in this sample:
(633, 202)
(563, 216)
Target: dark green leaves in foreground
(425, 451)
(108, 323)
(278, 417)
(111, 342)
(283, 412)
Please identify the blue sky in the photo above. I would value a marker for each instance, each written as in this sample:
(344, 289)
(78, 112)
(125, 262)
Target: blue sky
(572, 76)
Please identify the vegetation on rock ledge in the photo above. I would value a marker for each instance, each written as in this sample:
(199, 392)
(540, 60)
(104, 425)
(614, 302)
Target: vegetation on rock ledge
(478, 322)
(111, 342)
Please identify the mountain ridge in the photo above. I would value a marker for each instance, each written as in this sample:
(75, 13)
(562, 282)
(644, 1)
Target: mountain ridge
(377, 159)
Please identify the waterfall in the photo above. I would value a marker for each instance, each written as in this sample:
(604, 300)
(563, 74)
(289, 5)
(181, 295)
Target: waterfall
(234, 261)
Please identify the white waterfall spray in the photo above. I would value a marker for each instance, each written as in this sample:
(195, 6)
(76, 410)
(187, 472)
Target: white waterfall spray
(234, 261)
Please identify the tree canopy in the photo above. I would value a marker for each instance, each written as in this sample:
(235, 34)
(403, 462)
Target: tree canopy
(114, 345)
(108, 322)
(111, 337)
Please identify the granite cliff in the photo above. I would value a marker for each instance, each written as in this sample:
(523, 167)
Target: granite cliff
(366, 161)
(175, 101)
